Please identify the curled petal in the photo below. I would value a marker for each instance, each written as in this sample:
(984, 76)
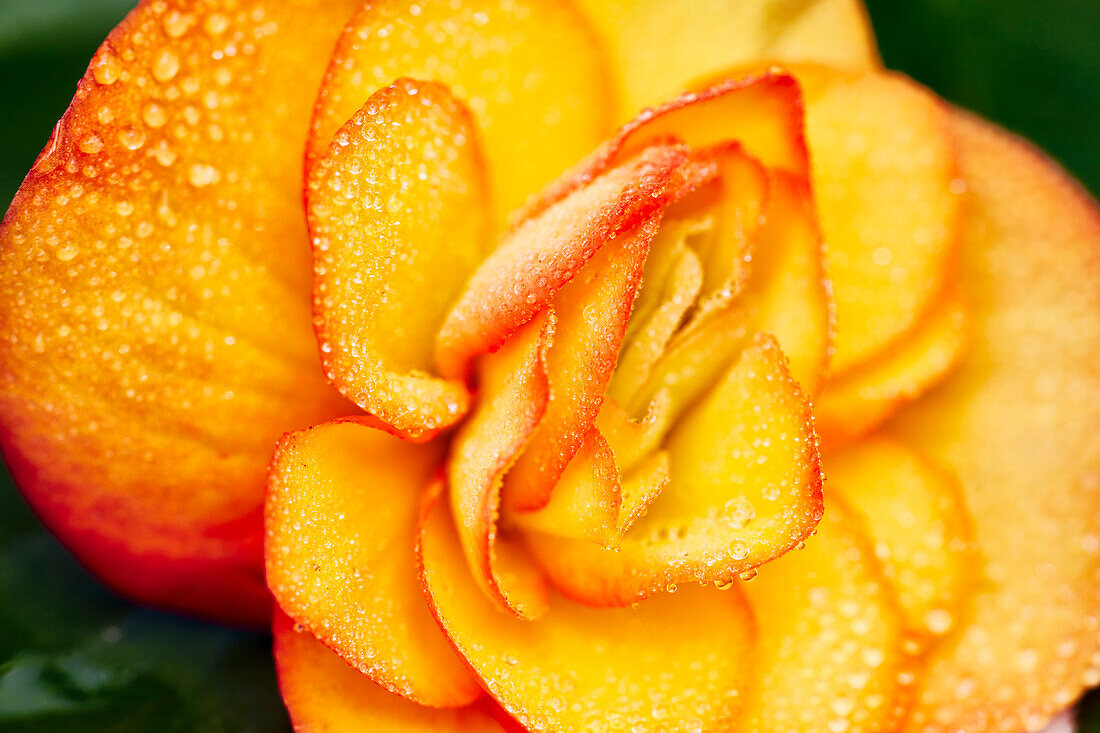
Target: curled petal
(531, 70)
(592, 311)
(154, 338)
(323, 693)
(762, 112)
(854, 403)
(683, 658)
(744, 487)
(659, 48)
(1018, 421)
(830, 655)
(341, 516)
(398, 215)
(512, 400)
(544, 252)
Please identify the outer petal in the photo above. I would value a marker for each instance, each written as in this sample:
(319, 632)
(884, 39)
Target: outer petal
(325, 695)
(531, 70)
(154, 334)
(522, 275)
(884, 176)
(513, 398)
(744, 487)
(675, 663)
(341, 516)
(398, 212)
(660, 48)
(592, 310)
(1019, 420)
(854, 403)
(830, 655)
(921, 530)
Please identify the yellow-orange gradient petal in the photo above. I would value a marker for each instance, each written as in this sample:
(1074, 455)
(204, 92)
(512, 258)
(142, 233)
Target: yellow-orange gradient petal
(399, 221)
(854, 403)
(592, 311)
(830, 654)
(544, 252)
(325, 695)
(586, 500)
(513, 397)
(154, 332)
(884, 175)
(744, 487)
(661, 48)
(531, 71)
(921, 530)
(761, 111)
(340, 521)
(1018, 420)
(677, 663)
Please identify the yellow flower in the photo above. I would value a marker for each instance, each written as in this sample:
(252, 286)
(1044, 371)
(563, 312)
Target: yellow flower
(569, 477)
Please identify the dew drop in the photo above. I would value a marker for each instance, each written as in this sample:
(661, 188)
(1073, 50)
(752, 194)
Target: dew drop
(154, 115)
(106, 68)
(67, 252)
(216, 24)
(131, 138)
(166, 65)
(203, 175)
(91, 144)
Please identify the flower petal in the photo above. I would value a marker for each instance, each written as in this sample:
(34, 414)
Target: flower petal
(592, 311)
(533, 261)
(155, 334)
(586, 500)
(679, 659)
(785, 295)
(512, 400)
(760, 111)
(531, 70)
(341, 517)
(830, 656)
(659, 48)
(1018, 420)
(883, 173)
(854, 403)
(744, 487)
(915, 518)
(323, 693)
(399, 220)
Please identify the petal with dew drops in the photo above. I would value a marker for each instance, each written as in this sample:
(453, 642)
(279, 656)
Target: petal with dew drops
(341, 520)
(884, 175)
(154, 329)
(513, 399)
(744, 487)
(1019, 421)
(531, 70)
(671, 282)
(592, 311)
(831, 650)
(397, 212)
(633, 440)
(854, 403)
(323, 694)
(659, 48)
(761, 111)
(586, 500)
(674, 663)
(546, 251)
(785, 295)
(916, 519)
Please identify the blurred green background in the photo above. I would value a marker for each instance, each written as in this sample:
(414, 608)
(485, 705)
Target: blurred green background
(75, 658)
